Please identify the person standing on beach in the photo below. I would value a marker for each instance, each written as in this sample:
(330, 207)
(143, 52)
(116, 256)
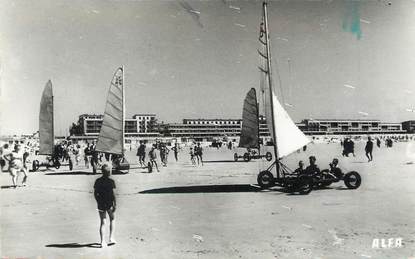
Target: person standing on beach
(86, 155)
(369, 149)
(163, 155)
(4, 152)
(378, 142)
(16, 164)
(351, 143)
(153, 157)
(175, 149)
(199, 154)
(105, 198)
(141, 153)
(192, 156)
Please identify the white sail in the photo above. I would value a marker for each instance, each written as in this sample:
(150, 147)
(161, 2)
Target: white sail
(111, 138)
(289, 137)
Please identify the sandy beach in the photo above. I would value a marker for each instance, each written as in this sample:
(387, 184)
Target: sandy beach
(216, 211)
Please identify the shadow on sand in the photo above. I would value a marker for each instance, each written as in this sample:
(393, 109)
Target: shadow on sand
(72, 173)
(114, 172)
(75, 245)
(205, 189)
(224, 161)
(8, 187)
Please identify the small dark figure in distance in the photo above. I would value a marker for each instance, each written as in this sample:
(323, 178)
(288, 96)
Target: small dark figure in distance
(369, 149)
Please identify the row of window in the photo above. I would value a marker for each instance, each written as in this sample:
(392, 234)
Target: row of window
(213, 122)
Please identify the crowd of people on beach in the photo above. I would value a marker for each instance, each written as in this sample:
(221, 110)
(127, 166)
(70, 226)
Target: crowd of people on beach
(195, 152)
(14, 158)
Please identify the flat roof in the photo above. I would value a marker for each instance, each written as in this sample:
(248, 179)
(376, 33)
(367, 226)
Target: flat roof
(343, 120)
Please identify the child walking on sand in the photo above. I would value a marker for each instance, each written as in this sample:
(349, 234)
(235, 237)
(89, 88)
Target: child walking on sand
(104, 195)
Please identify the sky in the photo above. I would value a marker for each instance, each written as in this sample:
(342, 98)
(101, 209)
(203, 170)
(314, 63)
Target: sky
(198, 59)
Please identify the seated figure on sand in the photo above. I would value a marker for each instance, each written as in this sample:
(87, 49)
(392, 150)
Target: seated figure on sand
(300, 170)
(335, 171)
(312, 169)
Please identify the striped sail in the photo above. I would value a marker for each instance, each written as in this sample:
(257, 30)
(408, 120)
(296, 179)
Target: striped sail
(287, 137)
(249, 132)
(110, 139)
(46, 137)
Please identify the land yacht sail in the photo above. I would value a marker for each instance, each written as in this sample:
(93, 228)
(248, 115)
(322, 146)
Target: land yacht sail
(46, 135)
(250, 122)
(286, 136)
(111, 135)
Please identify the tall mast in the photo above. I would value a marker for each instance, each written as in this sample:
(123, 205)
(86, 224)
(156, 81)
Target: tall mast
(123, 111)
(257, 115)
(53, 124)
(277, 167)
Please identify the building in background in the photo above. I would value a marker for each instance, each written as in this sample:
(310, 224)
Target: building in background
(409, 126)
(336, 126)
(145, 126)
(139, 126)
(210, 129)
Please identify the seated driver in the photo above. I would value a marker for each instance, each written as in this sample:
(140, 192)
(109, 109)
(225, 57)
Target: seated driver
(312, 169)
(300, 170)
(334, 169)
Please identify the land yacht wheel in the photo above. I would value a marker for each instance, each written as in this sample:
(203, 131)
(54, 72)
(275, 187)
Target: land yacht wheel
(305, 184)
(247, 157)
(35, 165)
(325, 178)
(235, 157)
(268, 156)
(352, 180)
(57, 164)
(265, 179)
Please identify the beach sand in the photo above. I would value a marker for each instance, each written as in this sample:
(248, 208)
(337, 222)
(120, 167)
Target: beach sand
(216, 211)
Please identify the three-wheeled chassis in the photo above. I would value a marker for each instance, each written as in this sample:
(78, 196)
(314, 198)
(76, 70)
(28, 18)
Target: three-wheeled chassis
(302, 183)
(286, 178)
(248, 156)
(51, 161)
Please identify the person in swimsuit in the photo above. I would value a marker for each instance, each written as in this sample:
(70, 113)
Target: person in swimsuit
(192, 156)
(3, 153)
(104, 195)
(141, 153)
(16, 161)
(199, 154)
(153, 157)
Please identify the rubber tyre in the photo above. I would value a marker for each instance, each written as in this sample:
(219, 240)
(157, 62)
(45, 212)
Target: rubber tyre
(247, 157)
(305, 184)
(149, 167)
(235, 157)
(268, 156)
(327, 184)
(35, 165)
(265, 179)
(57, 164)
(352, 180)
